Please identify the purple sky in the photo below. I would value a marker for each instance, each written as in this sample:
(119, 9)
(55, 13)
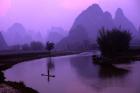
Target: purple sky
(43, 14)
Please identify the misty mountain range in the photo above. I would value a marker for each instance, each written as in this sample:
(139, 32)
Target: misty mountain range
(87, 25)
(18, 35)
(55, 34)
(82, 35)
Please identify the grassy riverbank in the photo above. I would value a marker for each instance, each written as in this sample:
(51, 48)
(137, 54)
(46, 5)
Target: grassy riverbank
(9, 59)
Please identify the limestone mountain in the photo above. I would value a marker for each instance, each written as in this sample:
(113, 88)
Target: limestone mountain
(92, 20)
(76, 40)
(16, 35)
(123, 22)
(56, 34)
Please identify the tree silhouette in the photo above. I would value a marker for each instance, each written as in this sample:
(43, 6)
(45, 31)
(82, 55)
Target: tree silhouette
(50, 46)
(113, 42)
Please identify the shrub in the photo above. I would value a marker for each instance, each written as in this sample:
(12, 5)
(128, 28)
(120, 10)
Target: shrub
(113, 42)
(49, 46)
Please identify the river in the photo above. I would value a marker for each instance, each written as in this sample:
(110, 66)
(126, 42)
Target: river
(75, 74)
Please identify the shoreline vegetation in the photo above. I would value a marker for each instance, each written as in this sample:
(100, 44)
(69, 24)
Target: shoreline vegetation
(115, 47)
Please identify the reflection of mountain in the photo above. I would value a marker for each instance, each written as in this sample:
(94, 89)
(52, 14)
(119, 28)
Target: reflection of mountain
(16, 34)
(92, 20)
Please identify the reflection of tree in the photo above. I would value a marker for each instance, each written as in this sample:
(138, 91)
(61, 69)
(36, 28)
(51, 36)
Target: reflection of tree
(50, 66)
(100, 60)
(110, 71)
(98, 76)
(84, 67)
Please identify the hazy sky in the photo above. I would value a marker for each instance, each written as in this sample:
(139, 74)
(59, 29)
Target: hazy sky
(43, 14)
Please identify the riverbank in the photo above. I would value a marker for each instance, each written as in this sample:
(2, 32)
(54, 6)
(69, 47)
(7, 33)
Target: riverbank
(7, 60)
(124, 58)
(14, 87)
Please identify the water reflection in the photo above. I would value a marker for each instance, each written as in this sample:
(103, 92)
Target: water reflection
(76, 74)
(84, 67)
(110, 71)
(98, 77)
(105, 60)
(49, 67)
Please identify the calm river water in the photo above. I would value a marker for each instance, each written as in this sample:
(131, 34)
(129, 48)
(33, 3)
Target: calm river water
(76, 74)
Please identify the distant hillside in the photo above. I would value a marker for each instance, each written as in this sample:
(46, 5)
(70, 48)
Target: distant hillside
(123, 22)
(16, 34)
(92, 20)
(55, 34)
(36, 36)
(76, 40)
(3, 44)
